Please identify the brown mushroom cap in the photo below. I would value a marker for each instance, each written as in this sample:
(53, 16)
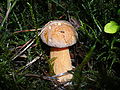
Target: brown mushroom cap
(59, 33)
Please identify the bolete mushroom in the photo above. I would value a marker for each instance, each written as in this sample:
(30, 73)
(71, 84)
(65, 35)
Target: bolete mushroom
(59, 35)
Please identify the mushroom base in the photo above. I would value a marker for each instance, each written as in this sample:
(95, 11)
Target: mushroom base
(62, 63)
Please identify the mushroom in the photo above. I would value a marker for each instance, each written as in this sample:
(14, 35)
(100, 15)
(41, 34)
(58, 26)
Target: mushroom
(59, 35)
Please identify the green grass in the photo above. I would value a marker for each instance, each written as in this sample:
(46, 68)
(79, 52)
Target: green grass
(96, 54)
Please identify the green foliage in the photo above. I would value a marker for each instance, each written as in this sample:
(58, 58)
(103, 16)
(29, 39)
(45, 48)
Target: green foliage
(118, 12)
(111, 27)
(96, 54)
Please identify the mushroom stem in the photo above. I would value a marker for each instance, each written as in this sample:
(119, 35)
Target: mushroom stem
(62, 63)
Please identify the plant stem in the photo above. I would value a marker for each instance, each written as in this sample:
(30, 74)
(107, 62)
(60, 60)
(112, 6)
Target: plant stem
(9, 8)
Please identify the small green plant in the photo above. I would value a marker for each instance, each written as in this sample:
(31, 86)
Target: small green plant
(111, 27)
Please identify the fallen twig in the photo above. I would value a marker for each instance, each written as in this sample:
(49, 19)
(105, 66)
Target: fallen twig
(28, 64)
(25, 47)
(27, 30)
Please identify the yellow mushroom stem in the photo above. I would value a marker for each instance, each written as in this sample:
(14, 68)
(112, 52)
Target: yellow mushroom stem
(62, 63)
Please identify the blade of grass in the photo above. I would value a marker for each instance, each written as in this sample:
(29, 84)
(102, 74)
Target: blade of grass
(87, 57)
(23, 68)
(31, 41)
(97, 23)
(57, 3)
(10, 7)
(34, 21)
(17, 21)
